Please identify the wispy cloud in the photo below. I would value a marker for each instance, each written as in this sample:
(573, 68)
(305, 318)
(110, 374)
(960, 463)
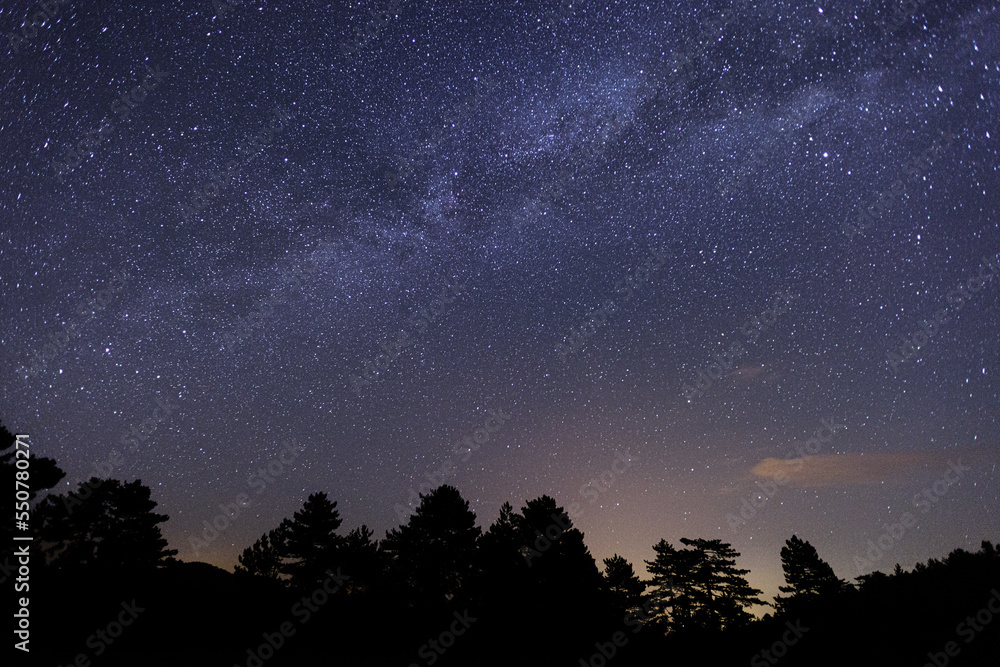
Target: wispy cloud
(848, 469)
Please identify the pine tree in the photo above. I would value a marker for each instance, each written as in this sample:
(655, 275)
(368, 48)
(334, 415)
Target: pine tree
(106, 525)
(361, 558)
(502, 539)
(263, 558)
(671, 604)
(554, 548)
(563, 586)
(431, 555)
(624, 585)
(808, 577)
(701, 586)
(309, 542)
(500, 566)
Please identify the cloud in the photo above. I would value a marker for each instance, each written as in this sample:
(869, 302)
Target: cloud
(848, 469)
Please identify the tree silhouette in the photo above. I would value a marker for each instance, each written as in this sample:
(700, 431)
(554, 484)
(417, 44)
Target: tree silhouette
(877, 582)
(554, 548)
(501, 578)
(808, 577)
(308, 542)
(671, 607)
(624, 585)
(708, 591)
(42, 474)
(564, 587)
(431, 556)
(263, 558)
(501, 543)
(106, 525)
(529, 583)
(361, 557)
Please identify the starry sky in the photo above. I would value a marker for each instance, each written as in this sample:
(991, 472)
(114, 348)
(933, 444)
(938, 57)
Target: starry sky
(720, 269)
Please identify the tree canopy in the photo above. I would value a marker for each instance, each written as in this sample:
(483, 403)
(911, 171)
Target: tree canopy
(105, 525)
(700, 587)
(528, 583)
(432, 554)
(808, 577)
(308, 542)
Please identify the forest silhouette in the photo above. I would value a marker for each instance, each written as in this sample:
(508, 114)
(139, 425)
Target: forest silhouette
(106, 589)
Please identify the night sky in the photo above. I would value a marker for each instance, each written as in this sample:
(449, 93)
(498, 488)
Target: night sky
(666, 243)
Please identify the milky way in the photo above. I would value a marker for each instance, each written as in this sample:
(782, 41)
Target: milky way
(704, 270)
